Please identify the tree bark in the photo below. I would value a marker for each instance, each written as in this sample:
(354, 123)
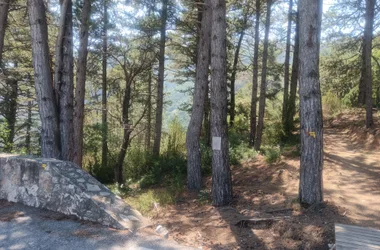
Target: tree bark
(28, 125)
(149, 112)
(50, 141)
(263, 87)
(291, 107)
(310, 188)
(234, 69)
(4, 7)
(367, 55)
(194, 178)
(362, 83)
(206, 117)
(64, 84)
(221, 174)
(160, 83)
(81, 82)
(10, 114)
(255, 75)
(126, 131)
(287, 64)
(104, 86)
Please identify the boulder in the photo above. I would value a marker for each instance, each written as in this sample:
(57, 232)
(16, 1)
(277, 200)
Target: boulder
(64, 187)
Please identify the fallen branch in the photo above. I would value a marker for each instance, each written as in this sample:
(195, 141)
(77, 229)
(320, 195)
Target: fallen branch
(260, 221)
(281, 210)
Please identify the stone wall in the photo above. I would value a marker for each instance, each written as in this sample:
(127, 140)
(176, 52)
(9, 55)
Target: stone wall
(64, 187)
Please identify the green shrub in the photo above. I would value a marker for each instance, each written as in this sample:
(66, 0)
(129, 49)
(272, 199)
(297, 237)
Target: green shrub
(145, 201)
(92, 160)
(331, 104)
(204, 196)
(241, 153)
(206, 159)
(273, 133)
(121, 190)
(169, 168)
(351, 99)
(271, 154)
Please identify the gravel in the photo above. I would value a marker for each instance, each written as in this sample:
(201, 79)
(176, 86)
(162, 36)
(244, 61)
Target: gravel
(23, 227)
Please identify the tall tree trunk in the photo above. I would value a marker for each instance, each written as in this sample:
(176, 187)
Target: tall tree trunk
(64, 81)
(126, 132)
(28, 125)
(263, 87)
(310, 188)
(255, 75)
(368, 33)
(287, 63)
(160, 83)
(362, 83)
(194, 178)
(10, 114)
(50, 141)
(221, 173)
(81, 82)
(149, 112)
(234, 69)
(4, 7)
(291, 107)
(104, 86)
(206, 117)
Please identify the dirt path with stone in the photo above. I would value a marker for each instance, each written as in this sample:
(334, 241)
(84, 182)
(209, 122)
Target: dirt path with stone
(351, 191)
(28, 228)
(352, 176)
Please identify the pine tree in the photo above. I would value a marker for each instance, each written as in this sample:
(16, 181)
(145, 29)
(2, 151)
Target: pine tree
(310, 188)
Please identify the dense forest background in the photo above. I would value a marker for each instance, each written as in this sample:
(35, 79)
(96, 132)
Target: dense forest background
(143, 54)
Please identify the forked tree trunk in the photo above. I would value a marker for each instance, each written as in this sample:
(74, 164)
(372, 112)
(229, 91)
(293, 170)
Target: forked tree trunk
(81, 82)
(310, 188)
(263, 87)
(104, 86)
(368, 31)
(291, 107)
(255, 76)
(43, 80)
(194, 180)
(4, 7)
(160, 83)
(64, 81)
(221, 173)
(287, 64)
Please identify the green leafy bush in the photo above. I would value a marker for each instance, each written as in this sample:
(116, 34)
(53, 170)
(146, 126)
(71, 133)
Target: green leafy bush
(271, 154)
(331, 104)
(206, 163)
(351, 98)
(145, 201)
(241, 153)
(169, 168)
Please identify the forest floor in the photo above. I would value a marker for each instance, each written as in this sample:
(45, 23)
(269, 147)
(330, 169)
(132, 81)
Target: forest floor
(351, 189)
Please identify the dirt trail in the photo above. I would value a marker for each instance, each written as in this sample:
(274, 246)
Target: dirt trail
(351, 189)
(352, 177)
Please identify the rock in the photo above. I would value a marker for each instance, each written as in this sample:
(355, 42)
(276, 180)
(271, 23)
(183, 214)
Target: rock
(331, 246)
(51, 184)
(92, 188)
(162, 231)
